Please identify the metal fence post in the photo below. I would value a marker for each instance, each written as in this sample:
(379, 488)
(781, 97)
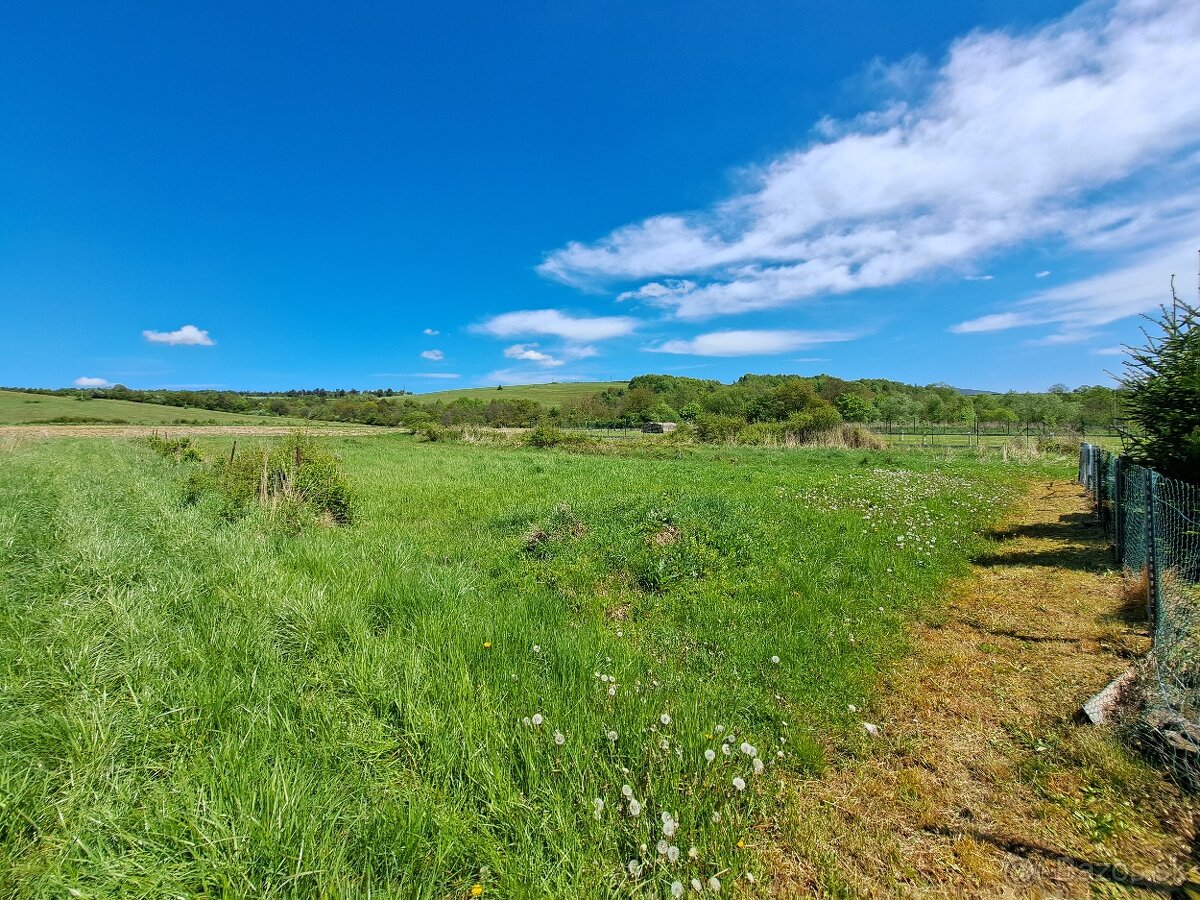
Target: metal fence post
(1152, 579)
(1118, 508)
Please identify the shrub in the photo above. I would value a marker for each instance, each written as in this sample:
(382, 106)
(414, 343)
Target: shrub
(296, 481)
(545, 436)
(719, 429)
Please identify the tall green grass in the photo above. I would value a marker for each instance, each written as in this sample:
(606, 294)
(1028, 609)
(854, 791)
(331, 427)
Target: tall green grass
(191, 705)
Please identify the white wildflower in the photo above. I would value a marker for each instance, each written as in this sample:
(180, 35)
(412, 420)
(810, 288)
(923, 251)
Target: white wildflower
(559, 738)
(661, 847)
(664, 744)
(696, 885)
(527, 722)
(537, 719)
(612, 736)
(775, 659)
(739, 783)
(612, 690)
(714, 884)
(693, 853)
(748, 749)
(725, 749)
(673, 854)
(665, 719)
(758, 766)
(719, 729)
(635, 868)
(710, 754)
(635, 808)
(676, 888)
(626, 791)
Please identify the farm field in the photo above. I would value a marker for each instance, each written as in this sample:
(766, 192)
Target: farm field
(546, 394)
(19, 408)
(519, 670)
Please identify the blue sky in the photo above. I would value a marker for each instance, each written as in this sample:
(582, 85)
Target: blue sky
(422, 196)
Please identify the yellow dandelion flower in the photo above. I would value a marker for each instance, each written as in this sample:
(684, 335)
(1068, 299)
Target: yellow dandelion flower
(741, 844)
(477, 889)
(486, 646)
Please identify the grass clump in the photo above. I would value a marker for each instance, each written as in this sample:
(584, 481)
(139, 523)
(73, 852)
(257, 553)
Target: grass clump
(296, 482)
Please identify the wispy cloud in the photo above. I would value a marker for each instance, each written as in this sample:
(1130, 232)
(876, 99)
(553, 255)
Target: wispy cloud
(1013, 137)
(751, 343)
(1042, 274)
(89, 381)
(435, 355)
(559, 324)
(530, 353)
(188, 335)
(978, 277)
(431, 332)
(416, 375)
(1109, 351)
(1080, 307)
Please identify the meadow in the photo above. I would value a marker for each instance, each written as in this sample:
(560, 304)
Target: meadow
(519, 672)
(549, 395)
(19, 408)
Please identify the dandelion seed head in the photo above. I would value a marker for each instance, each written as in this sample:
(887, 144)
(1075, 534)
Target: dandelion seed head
(612, 736)
(714, 884)
(665, 719)
(676, 888)
(710, 754)
(661, 847)
(739, 783)
(559, 738)
(719, 729)
(696, 885)
(626, 791)
(672, 854)
(693, 853)
(635, 808)
(537, 719)
(775, 659)
(758, 766)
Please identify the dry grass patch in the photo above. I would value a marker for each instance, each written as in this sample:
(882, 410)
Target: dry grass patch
(980, 784)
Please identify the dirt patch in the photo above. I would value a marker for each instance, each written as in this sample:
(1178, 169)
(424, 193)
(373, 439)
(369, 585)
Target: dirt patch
(665, 536)
(981, 784)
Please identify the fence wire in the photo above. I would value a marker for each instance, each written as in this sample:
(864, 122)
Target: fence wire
(1154, 523)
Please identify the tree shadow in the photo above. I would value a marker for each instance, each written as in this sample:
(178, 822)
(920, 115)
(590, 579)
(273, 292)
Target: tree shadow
(1079, 543)
(1114, 874)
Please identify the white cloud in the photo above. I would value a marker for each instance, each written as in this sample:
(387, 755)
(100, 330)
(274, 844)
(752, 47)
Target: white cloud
(1042, 274)
(1014, 137)
(435, 355)
(1080, 307)
(530, 353)
(557, 323)
(751, 343)
(978, 277)
(431, 332)
(188, 335)
(88, 381)
(1109, 351)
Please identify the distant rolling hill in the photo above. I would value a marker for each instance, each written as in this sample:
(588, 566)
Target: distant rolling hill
(19, 408)
(547, 394)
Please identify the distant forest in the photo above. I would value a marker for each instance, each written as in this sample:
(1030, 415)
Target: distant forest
(649, 398)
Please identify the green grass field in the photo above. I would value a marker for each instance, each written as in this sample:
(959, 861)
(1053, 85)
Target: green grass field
(547, 394)
(18, 408)
(519, 669)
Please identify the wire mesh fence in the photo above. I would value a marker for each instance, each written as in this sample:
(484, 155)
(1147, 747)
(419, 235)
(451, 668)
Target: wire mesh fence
(1154, 523)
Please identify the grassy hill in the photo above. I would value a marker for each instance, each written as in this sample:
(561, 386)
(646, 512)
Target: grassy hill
(548, 394)
(17, 408)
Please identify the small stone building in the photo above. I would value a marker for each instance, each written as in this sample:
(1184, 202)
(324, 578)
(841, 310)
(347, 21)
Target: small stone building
(659, 427)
